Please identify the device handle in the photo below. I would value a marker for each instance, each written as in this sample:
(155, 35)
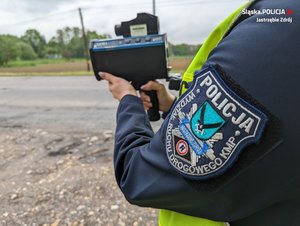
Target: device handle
(153, 112)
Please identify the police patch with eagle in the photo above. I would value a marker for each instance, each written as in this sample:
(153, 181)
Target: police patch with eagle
(209, 127)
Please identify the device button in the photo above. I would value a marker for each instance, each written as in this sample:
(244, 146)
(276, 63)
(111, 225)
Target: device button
(127, 41)
(137, 40)
(147, 39)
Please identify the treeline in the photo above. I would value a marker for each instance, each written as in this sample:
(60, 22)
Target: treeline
(183, 49)
(67, 43)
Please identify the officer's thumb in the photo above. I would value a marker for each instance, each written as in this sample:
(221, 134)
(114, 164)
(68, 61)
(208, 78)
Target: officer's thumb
(152, 85)
(106, 76)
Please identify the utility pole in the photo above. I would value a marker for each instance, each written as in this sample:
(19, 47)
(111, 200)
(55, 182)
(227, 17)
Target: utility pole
(154, 8)
(86, 51)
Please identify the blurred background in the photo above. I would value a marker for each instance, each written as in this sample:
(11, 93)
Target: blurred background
(43, 32)
(57, 122)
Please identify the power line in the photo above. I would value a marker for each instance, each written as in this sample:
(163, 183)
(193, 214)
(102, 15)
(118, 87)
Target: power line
(40, 18)
(118, 8)
(160, 3)
(166, 3)
(188, 3)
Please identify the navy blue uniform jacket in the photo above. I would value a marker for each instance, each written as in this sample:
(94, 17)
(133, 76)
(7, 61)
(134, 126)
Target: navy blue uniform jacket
(264, 59)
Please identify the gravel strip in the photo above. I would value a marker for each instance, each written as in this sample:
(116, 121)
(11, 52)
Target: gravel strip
(56, 179)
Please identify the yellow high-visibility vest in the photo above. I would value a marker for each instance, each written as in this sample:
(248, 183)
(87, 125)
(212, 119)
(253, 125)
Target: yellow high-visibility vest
(171, 218)
(210, 43)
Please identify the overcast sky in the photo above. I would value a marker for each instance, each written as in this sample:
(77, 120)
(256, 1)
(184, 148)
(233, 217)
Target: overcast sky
(185, 21)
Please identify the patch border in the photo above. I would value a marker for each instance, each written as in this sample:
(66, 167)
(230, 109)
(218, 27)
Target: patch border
(262, 121)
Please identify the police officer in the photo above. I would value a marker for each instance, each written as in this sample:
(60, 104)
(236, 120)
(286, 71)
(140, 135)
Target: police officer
(227, 150)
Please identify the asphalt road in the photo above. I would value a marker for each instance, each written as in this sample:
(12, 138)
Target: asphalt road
(56, 103)
(65, 104)
(56, 154)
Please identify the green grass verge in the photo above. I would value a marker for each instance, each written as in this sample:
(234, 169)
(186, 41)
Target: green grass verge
(71, 73)
(30, 63)
(181, 57)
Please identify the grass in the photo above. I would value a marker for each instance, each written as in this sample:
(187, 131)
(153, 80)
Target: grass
(30, 63)
(29, 74)
(74, 67)
(181, 57)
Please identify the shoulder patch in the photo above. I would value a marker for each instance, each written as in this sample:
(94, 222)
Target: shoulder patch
(209, 127)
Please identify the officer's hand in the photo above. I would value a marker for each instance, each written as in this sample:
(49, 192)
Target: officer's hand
(165, 98)
(119, 87)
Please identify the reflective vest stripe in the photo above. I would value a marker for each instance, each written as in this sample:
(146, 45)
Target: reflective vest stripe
(171, 218)
(210, 43)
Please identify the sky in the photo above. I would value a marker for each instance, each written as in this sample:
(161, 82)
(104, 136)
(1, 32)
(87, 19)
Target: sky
(184, 21)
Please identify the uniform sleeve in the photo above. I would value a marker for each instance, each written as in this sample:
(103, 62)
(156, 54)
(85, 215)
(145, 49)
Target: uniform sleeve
(139, 159)
(144, 173)
(133, 133)
(263, 58)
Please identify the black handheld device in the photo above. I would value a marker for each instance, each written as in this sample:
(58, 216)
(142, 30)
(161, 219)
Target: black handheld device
(140, 56)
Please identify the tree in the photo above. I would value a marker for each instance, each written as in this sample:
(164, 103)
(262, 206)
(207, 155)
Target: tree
(36, 40)
(8, 48)
(94, 35)
(183, 49)
(53, 48)
(68, 42)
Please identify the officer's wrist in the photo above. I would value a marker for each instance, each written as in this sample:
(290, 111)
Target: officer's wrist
(132, 93)
(134, 97)
(165, 114)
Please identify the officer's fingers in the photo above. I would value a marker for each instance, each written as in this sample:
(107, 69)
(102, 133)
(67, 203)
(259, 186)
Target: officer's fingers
(147, 105)
(110, 87)
(108, 77)
(153, 85)
(146, 100)
(144, 97)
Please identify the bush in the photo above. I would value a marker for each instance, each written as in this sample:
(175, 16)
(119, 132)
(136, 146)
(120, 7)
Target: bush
(8, 49)
(26, 52)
